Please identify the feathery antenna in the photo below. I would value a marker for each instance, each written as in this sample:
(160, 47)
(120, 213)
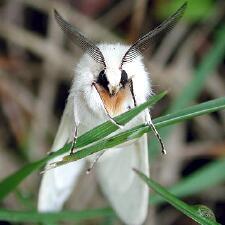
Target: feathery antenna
(144, 42)
(79, 39)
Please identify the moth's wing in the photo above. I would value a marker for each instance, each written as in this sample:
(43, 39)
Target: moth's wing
(57, 184)
(127, 193)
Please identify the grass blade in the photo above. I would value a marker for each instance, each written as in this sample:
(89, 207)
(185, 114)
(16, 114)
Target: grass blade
(33, 216)
(190, 211)
(9, 183)
(197, 181)
(107, 128)
(192, 90)
(138, 131)
(188, 113)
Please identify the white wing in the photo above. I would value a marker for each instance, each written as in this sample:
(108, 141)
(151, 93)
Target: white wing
(127, 193)
(57, 184)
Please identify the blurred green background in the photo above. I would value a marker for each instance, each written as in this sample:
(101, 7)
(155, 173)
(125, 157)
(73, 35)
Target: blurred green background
(36, 70)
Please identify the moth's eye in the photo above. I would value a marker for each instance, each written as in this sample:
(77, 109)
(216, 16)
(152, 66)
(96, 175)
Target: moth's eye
(102, 79)
(124, 78)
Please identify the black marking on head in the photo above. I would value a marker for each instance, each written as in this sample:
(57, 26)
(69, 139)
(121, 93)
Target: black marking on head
(124, 78)
(102, 80)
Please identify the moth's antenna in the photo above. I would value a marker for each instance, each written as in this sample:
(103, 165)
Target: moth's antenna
(79, 39)
(105, 109)
(149, 122)
(144, 42)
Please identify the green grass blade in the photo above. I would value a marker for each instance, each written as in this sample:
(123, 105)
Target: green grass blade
(192, 184)
(138, 131)
(33, 216)
(12, 181)
(190, 112)
(9, 183)
(107, 128)
(186, 209)
(192, 90)
(197, 181)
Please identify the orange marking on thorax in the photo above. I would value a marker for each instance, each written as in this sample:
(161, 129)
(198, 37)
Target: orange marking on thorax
(114, 104)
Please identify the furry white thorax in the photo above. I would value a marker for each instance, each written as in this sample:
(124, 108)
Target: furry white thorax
(84, 97)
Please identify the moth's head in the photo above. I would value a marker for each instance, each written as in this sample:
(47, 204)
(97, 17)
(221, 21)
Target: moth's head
(112, 84)
(117, 63)
(114, 76)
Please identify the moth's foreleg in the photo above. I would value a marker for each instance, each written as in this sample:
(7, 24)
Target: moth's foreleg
(131, 86)
(152, 126)
(73, 149)
(94, 162)
(148, 119)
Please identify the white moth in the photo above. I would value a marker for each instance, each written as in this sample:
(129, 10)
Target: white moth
(108, 80)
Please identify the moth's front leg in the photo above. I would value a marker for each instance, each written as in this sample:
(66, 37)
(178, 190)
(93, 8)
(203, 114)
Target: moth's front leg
(75, 133)
(152, 126)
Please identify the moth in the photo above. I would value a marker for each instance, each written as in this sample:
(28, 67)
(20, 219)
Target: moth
(108, 80)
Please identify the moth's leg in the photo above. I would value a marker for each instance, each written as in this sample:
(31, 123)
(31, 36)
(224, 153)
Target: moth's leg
(131, 86)
(148, 119)
(73, 149)
(49, 153)
(94, 162)
(152, 126)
